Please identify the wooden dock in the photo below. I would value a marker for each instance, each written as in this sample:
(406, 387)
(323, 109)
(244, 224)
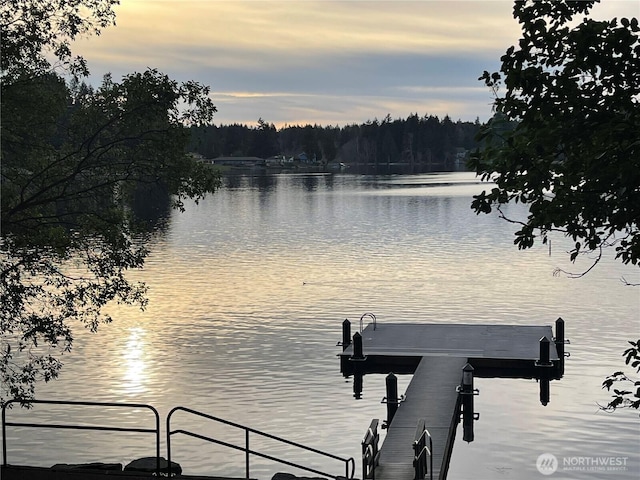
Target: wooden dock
(435, 354)
(493, 350)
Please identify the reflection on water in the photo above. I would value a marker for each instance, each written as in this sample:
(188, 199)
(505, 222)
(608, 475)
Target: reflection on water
(248, 291)
(134, 372)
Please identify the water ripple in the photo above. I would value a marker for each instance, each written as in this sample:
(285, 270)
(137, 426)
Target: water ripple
(248, 290)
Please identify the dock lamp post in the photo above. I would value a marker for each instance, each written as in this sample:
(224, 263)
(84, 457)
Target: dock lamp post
(467, 392)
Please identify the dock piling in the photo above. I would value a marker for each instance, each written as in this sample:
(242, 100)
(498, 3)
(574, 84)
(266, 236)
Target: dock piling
(391, 399)
(346, 334)
(358, 358)
(543, 360)
(357, 347)
(560, 341)
(559, 331)
(357, 385)
(467, 391)
(544, 391)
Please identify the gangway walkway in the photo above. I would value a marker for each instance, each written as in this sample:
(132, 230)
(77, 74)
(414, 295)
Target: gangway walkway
(431, 396)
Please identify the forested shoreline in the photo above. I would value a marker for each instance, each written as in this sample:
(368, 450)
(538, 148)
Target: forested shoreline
(417, 143)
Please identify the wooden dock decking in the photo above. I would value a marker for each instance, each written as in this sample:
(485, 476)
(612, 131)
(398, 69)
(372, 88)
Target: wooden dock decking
(493, 350)
(436, 354)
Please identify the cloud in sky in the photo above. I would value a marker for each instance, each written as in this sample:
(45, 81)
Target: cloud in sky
(325, 62)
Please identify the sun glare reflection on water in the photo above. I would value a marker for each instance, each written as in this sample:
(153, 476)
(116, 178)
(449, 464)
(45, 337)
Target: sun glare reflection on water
(134, 374)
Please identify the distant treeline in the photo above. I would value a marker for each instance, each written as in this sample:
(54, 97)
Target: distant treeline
(414, 144)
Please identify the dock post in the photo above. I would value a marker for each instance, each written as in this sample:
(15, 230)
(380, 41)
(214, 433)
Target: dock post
(391, 399)
(543, 360)
(346, 334)
(467, 403)
(357, 347)
(560, 330)
(560, 341)
(544, 391)
(357, 385)
(357, 357)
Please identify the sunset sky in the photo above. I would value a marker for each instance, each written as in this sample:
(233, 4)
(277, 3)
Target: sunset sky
(324, 62)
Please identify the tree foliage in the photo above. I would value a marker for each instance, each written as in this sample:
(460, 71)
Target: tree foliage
(36, 32)
(72, 159)
(565, 138)
(628, 395)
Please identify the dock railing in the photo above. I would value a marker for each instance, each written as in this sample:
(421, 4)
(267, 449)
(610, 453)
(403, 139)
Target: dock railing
(349, 463)
(371, 316)
(423, 453)
(155, 431)
(370, 451)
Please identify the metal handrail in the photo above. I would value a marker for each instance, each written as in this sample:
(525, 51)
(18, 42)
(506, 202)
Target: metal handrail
(370, 315)
(6, 424)
(422, 452)
(349, 473)
(370, 451)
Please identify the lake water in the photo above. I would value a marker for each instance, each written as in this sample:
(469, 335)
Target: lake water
(248, 291)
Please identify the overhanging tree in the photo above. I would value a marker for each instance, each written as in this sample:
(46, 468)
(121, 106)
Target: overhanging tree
(573, 155)
(626, 391)
(36, 33)
(71, 159)
(565, 137)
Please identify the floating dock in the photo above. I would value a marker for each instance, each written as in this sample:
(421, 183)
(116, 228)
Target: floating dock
(443, 359)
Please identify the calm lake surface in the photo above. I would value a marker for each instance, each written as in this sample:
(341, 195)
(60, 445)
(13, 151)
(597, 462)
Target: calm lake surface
(248, 291)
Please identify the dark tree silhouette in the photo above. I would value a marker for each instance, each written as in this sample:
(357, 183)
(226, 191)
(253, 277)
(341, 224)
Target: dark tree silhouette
(565, 139)
(73, 160)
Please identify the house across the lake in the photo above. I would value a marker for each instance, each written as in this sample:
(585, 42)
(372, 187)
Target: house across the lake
(239, 161)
